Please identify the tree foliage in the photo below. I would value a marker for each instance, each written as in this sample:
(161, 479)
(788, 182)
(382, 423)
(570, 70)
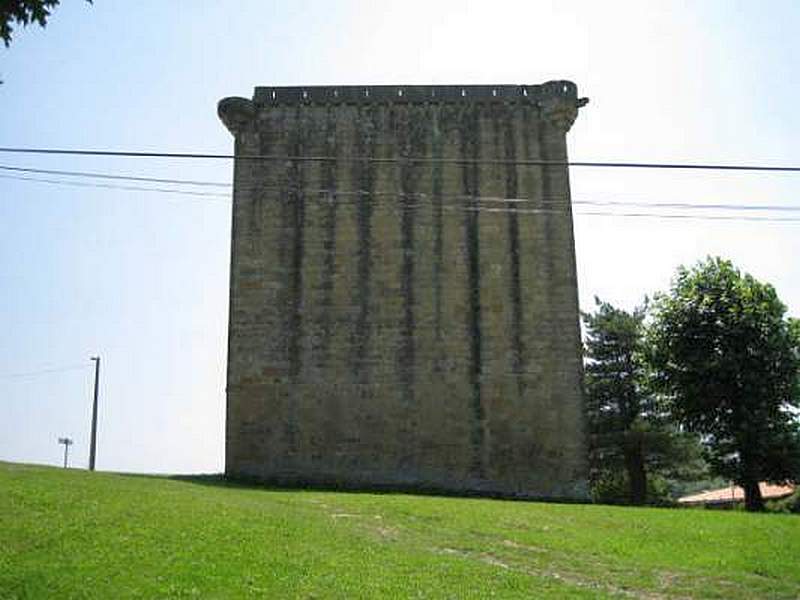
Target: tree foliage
(23, 12)
(727, 358)
(633, 444)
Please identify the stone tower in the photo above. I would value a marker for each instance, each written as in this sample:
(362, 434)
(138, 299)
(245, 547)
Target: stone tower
(403, 298)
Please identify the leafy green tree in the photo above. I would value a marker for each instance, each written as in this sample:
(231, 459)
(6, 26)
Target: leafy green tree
(727, 358)
(633, 445)
(794, 332)
(23, 12)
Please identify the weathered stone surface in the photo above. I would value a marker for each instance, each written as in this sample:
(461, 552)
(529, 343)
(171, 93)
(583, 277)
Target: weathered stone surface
(403, 304)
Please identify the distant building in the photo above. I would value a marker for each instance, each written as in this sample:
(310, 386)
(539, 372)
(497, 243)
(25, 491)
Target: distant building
(403, 300)
(730, 496)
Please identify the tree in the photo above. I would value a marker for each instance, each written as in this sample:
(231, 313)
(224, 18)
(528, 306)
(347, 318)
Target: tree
(631, 438)
(794, 332)
(728, 360)
(24, 12)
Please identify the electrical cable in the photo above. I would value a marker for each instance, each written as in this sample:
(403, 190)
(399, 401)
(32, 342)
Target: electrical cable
(114, 187)
(332, 194)
(406, 159)
(44, 371)
(113, 176)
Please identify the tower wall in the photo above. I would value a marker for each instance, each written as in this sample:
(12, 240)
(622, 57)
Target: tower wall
(403, 300)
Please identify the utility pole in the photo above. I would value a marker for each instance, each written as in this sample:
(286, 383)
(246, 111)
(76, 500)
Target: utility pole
(93, 446)
(67, 443)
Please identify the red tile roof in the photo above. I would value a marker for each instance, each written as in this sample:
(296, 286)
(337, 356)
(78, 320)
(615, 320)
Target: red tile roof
(736, 494)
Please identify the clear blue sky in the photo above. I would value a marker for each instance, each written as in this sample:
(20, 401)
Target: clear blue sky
(142, 278)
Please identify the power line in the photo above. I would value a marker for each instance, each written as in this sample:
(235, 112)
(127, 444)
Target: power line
(406, 159)
(515, 205)
(44, 371)
(334, 194)
(690, 217)
(240, 188)
(132, 188)
(524, 211)
(118, 177)
(118, 153)
(193, 182)
(692, 206)
(114, 176)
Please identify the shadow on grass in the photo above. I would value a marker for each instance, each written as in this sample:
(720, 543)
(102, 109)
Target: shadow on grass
(220, 480)
(224, 481)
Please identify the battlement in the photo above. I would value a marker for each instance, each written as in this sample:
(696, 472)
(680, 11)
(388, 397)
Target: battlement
(378, 94)
(560, 95)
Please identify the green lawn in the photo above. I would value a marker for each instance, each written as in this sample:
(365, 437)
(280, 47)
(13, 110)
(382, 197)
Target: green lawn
(73, 534)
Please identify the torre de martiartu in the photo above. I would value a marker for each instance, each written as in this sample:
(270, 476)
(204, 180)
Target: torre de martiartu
(403, 297)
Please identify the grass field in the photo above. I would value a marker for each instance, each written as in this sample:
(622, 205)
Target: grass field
(73, 534)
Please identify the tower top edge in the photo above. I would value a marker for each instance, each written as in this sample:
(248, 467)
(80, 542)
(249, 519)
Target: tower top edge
(556, 101)
(381, 94)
